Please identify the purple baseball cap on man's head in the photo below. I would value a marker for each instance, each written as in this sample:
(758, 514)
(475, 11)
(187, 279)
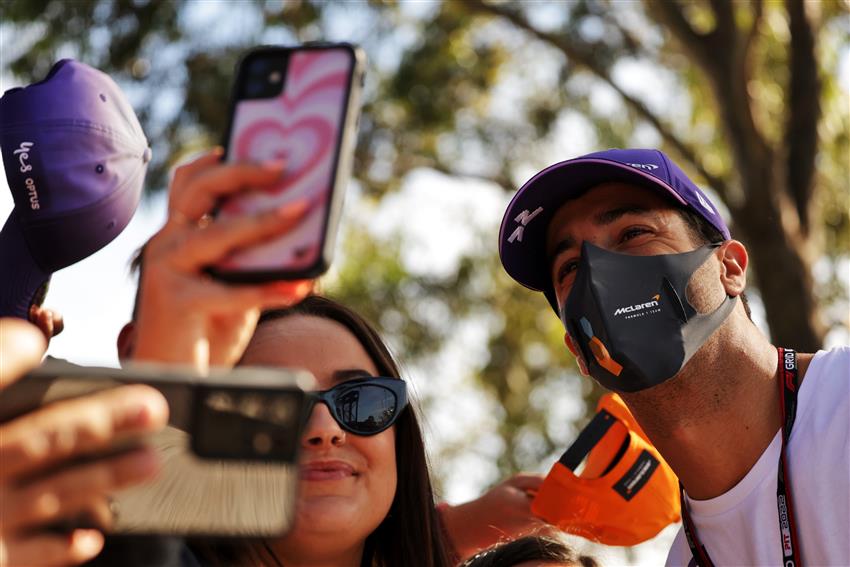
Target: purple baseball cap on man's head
(75, 158)
(522, 236)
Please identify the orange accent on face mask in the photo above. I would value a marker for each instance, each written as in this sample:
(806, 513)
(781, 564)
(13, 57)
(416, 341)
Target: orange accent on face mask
(603, 358)
(622, 502)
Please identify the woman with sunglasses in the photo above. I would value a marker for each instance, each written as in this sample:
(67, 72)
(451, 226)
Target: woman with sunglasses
(365, 496)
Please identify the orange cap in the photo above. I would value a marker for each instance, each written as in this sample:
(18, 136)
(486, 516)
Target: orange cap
(626, 493)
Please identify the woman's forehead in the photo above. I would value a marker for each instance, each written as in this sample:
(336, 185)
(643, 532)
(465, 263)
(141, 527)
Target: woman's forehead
(321, 346)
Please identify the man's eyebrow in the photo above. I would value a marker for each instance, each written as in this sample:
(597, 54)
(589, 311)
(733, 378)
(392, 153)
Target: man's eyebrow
(349, 374)
(602, 219)
(607, 217)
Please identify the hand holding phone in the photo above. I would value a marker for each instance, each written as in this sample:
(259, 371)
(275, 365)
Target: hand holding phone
(299, 105)
(183, 316)
(37, 487)
(227, 459)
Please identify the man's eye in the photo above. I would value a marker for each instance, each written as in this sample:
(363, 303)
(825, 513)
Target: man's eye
(566, 269)
(632, 232)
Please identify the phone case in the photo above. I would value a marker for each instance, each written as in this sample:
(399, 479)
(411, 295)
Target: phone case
(191, 495)
(311, 124)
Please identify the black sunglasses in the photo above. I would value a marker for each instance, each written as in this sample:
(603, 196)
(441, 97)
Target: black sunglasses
(363, 406)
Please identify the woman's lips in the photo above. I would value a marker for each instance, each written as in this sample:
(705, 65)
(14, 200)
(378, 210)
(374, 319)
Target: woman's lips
(327, 470)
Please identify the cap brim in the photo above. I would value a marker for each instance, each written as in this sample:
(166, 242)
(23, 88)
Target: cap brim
(20, 276)
(524, 256)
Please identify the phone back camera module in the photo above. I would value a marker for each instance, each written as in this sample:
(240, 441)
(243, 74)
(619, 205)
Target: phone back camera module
(247, 424)
(264, 78)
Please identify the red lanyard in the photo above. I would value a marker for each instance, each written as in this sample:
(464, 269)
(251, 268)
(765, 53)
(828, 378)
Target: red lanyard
(787, 529)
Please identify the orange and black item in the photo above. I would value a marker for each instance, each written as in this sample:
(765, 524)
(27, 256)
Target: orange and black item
(625, 494)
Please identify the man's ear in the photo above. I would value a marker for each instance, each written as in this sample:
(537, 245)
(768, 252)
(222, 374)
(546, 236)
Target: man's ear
(126, 342)
(570, 345)
(733, 267)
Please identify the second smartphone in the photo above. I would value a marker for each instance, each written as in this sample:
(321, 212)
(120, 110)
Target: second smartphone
(228, 457)
(301, 105)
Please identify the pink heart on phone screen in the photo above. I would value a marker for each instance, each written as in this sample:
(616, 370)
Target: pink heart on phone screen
(302, 146)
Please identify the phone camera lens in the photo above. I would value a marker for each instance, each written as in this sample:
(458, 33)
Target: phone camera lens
(251, 406)
(262, 443)
(219, 401)
(275, 77)
(281, 411)
(254, 89)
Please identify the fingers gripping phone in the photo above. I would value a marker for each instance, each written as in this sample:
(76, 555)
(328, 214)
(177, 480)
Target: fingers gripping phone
(299, 105)
(228, 457)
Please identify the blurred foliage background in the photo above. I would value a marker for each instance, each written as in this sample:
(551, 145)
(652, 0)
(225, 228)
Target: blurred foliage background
(746, 96)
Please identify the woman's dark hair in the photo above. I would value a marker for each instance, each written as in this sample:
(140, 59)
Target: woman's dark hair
(545, 548)
(411, 533)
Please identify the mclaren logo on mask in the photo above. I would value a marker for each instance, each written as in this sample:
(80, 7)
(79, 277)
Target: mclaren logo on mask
(640, 309)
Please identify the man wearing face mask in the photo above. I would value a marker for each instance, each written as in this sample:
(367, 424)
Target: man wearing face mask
(641, 269)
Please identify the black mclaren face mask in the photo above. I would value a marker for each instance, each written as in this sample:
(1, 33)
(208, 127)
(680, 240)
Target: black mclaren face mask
(630, 317)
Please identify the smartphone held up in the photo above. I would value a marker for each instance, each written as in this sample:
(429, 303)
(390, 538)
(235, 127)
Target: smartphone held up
(299, 105)
(228, 457)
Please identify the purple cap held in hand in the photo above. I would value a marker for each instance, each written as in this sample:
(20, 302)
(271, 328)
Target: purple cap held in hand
(75, 159)
(522, 236)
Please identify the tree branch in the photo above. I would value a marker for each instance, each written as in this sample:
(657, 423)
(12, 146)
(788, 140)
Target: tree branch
(721, 57)
(670, 14)
(725, 29)
(582, 56)
(632, 44)
(803, 110)
(504, 183)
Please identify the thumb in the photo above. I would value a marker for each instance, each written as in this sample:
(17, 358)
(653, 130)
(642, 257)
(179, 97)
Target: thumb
(22, 345)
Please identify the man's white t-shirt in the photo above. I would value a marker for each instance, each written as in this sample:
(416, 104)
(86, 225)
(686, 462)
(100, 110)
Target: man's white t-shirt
(741, 527)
